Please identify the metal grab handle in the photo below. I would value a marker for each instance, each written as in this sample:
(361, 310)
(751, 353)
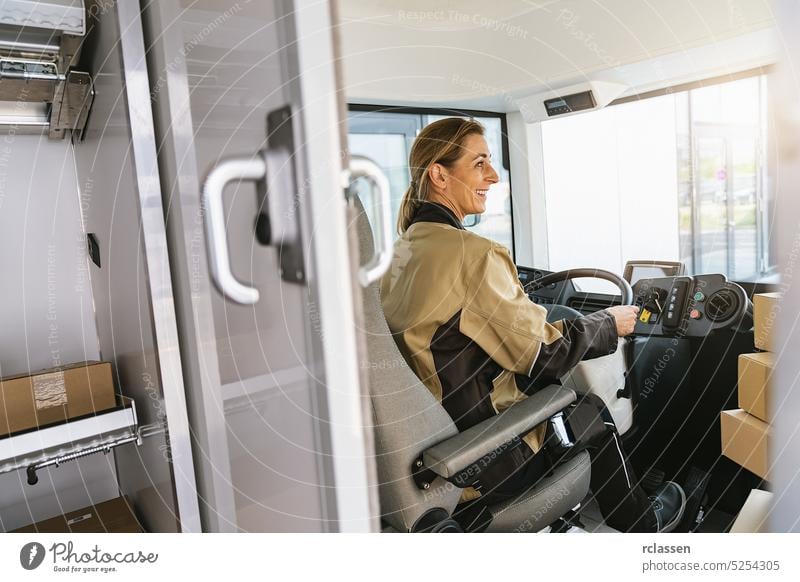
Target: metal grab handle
(361, 167)
(33, 478)
(214, 219)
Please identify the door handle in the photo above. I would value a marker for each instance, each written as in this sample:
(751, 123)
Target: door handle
(362, 167)
(214, 219)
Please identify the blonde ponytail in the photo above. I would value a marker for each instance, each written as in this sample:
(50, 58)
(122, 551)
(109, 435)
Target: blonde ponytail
(409, 206)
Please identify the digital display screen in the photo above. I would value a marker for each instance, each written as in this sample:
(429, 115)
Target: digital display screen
(650, 273)
(638, 270)
(555, 103)
(569, 103)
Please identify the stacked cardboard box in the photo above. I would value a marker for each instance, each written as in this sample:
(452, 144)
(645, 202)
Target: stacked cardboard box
(744, 440)
(745, 432)
(31, 401)
(113, 516)
(765, 315)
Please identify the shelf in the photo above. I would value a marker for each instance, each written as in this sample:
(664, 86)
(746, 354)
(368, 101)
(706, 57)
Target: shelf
(53, 445)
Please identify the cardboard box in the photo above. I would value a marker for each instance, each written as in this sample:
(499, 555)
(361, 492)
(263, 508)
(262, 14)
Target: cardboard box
(764, 319)
(745, 441)
(752, 517)
(114, 516)
(755, 372)
(51, 396)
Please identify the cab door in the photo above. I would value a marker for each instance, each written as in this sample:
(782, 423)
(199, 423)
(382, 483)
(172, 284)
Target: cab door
(247, 120)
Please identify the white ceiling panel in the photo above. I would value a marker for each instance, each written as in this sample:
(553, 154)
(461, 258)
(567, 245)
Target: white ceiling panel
(434, 51)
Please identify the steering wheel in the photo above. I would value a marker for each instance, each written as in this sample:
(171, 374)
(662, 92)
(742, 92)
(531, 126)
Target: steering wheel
(556, 312)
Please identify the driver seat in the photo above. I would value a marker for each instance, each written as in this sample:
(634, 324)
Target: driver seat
(420, 455)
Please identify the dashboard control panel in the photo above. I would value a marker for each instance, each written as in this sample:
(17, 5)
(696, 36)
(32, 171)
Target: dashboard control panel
(553, 293)
(688, 306)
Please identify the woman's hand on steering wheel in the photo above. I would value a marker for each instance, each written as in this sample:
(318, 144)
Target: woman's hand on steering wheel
(625, 318)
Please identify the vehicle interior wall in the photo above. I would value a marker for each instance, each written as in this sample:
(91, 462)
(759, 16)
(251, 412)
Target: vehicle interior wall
(786, 405)
(60, 306)
(47, 308)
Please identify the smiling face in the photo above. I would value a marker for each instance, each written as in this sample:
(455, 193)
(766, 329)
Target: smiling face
(463, 186)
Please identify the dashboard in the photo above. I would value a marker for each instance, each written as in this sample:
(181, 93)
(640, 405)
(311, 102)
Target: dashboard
(688, 306)
(672, 306)
(563, 293)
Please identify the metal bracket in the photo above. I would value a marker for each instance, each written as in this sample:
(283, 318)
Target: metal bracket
(423, 477)
(142, 432)
(71, 103)
(33, 478)
(278, 222)
(69, 95)
(40, 43)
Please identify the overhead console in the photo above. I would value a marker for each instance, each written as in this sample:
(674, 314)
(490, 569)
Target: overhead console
(688, 306)
(557, 102)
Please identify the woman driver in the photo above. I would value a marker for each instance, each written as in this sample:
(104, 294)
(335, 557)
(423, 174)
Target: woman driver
(466, 327)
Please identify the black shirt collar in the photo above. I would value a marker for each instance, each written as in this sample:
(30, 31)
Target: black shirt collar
(435, 212)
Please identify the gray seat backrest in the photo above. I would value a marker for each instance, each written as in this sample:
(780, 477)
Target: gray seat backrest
(407, 418)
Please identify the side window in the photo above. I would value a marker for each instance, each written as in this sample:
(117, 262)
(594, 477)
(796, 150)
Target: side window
(386, 135)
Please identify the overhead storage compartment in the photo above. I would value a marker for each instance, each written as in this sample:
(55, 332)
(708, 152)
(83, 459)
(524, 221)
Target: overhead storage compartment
(40, 89)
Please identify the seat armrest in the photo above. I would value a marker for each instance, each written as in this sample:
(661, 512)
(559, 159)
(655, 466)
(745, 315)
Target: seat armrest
(450, 457)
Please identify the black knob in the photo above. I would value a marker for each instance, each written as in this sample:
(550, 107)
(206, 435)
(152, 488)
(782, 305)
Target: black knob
(263, 229)
(722, 305)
